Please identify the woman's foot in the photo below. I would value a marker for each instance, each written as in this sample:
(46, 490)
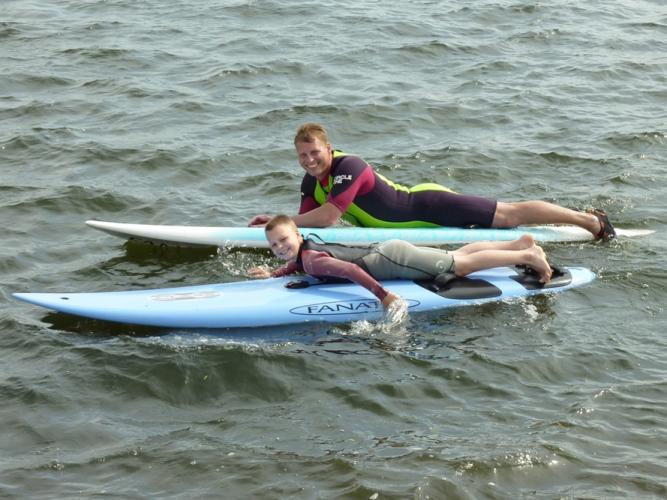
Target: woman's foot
(606, 231)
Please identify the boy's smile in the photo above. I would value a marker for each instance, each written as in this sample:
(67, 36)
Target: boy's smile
(284, 242)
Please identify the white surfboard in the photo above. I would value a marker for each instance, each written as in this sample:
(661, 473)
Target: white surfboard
(355, 236)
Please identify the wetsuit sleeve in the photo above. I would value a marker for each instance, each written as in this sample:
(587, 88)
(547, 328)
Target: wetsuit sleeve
(323, 265)
(289, 268)
(352, 176)
(308, 201)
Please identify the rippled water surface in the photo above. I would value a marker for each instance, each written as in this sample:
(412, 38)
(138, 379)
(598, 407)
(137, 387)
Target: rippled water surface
(184, 113)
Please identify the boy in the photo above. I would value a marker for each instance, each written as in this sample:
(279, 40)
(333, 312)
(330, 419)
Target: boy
(394, 259)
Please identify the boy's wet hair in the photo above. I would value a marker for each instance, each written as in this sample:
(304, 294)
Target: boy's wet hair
(280, 220)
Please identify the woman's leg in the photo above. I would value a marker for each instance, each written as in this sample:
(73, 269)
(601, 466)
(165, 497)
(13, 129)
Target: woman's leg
(541, 212)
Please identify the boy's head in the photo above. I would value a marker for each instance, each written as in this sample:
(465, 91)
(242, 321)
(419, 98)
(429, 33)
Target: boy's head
(284, 237)
(280, 220)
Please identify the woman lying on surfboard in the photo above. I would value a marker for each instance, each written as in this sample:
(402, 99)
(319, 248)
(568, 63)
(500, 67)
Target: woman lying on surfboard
(394, 259)
(338, 185)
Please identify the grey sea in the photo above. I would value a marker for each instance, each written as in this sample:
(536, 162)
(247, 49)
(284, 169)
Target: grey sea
(183, 112)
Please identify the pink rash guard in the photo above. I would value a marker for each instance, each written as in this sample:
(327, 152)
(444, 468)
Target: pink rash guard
(323, 265)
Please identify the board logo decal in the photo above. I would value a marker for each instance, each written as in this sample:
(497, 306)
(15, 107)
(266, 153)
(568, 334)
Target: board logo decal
(186, 296)
(340, 178)
(361, 306)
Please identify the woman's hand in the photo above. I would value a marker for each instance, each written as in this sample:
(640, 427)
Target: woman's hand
(259, 272)
(259, 220)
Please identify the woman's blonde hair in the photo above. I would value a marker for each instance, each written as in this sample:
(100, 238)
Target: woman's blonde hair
(310, 132)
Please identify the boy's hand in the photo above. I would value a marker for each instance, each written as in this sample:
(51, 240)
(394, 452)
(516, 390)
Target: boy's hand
(259, 272)
(395, 309)
(391, 297)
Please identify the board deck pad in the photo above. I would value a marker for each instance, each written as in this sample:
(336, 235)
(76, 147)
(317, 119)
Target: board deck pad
(272, 301)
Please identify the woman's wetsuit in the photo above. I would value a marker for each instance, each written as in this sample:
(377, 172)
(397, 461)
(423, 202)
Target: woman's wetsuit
(369, 199)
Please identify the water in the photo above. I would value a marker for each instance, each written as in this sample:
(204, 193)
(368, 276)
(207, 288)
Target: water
(184, 113)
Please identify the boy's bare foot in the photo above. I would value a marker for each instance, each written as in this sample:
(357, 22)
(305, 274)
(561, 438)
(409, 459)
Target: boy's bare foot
(537, 260)
(525, 241)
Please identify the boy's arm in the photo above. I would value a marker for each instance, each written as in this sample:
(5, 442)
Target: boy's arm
(322, 264)
(287, 269)
(265, 272)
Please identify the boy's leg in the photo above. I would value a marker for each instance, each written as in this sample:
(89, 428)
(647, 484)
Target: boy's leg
(525, 241)
(398, 259)
(486, 259)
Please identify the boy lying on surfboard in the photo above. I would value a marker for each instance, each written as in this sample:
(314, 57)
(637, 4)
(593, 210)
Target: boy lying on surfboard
(393, 259)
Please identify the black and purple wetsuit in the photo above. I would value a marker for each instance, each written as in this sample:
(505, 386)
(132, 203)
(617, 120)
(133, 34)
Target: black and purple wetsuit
(369, 199)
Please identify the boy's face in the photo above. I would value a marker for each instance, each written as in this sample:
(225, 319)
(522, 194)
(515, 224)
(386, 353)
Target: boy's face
(284, 242)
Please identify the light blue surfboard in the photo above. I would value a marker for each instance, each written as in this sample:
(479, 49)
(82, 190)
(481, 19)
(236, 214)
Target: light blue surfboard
(271, 302)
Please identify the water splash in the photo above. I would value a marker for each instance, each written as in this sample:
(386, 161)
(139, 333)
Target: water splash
(392, 326)
(395, 314)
